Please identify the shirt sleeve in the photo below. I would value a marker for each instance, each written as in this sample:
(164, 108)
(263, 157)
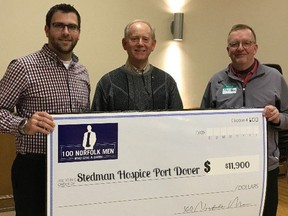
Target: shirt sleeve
(12, 85)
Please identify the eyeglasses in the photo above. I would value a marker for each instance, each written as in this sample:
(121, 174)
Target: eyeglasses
(245, 44)
(61, 26)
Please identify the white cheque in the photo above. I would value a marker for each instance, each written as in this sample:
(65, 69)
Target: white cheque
(158, 164)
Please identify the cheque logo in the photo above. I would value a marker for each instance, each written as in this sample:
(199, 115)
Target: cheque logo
(89, 138)
(87, 142)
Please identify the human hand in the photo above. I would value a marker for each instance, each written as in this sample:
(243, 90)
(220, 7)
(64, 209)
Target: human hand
(40, 122)
(272, 114)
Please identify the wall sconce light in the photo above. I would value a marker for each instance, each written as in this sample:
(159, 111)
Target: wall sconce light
(177, 26)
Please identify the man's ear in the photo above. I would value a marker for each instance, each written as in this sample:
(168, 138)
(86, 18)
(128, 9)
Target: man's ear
(153, 45)
(124, 43)
(46, 29)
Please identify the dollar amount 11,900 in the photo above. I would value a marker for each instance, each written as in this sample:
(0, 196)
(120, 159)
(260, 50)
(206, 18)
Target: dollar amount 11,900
(238, 165)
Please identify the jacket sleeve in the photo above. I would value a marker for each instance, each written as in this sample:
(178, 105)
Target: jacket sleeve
(175, 99)
(207, 101)
(99, 100)
(283, 106)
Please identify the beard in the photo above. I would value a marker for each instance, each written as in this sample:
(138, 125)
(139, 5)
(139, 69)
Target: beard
(63, 47)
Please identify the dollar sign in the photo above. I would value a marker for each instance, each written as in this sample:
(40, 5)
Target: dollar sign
(207, 166)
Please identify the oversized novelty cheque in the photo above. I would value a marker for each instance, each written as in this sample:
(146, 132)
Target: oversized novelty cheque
(157, 163)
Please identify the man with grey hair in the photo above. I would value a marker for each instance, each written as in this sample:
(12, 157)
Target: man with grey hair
(137, 85)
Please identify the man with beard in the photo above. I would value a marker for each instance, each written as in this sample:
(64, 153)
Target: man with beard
(46, 82)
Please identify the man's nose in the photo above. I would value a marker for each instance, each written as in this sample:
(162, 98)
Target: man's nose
(240, 46)
(140, 41)
(65, 29)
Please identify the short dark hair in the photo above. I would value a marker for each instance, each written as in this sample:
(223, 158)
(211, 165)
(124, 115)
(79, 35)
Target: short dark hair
(241, 27)
(65, 8)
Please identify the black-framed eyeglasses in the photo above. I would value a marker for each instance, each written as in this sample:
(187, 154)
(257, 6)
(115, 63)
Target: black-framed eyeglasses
(61, 26)
(245, 44)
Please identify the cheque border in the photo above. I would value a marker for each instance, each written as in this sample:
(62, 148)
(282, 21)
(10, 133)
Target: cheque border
(88, 116)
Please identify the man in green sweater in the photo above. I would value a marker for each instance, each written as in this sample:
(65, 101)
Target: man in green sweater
(137, 85)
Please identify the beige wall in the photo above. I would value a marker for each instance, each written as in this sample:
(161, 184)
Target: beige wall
(200, 54)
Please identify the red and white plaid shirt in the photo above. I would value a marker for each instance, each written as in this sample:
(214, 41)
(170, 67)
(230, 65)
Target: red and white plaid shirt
(41, 82)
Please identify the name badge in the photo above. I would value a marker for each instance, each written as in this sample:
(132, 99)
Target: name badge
(229, 90)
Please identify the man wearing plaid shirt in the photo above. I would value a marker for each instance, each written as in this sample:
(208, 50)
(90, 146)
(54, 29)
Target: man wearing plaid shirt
(46, 82)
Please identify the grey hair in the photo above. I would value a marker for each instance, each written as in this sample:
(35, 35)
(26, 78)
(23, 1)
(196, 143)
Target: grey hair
(127, 28)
